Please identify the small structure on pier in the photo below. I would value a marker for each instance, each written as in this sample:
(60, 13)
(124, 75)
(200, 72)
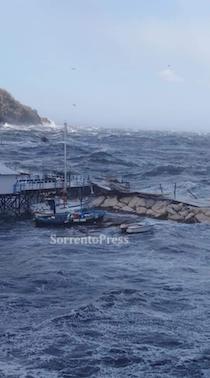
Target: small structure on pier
(8, 179)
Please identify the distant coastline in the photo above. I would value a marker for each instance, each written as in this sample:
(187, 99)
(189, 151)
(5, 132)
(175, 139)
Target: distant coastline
(15, 113)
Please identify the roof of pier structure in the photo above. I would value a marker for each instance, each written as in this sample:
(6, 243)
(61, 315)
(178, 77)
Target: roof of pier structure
(6, 171)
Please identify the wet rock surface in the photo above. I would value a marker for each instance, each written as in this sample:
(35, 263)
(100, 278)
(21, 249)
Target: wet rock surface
(154, 207)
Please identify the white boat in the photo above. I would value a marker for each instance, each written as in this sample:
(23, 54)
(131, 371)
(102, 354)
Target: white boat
(136, 228)
(123, 227)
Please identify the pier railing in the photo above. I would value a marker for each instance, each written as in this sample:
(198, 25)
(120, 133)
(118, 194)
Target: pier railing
(33, 184)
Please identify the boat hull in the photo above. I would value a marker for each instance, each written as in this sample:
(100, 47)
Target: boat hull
(66, 221)
(136, 228)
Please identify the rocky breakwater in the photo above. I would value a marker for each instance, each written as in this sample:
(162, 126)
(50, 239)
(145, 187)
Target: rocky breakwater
(153, 206)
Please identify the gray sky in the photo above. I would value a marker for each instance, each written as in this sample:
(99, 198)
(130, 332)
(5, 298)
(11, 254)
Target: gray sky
(130, 63)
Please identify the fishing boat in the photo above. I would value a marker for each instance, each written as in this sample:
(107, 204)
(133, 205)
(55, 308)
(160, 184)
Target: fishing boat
(56, 205)
(82, 216)
(45, 220)
(136, 228)
(85, 216)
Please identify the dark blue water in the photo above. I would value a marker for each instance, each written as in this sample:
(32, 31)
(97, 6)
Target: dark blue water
(141, 309)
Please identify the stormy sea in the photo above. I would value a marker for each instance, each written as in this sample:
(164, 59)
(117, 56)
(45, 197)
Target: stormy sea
(139, 309)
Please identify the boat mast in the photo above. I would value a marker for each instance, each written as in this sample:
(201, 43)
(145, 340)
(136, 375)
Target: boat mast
(65, 161)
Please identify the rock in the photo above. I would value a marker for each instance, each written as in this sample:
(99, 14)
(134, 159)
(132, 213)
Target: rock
(45, 121)
(125, 200)
(110, 202)
(97, 201)
(44, 139)
(183, 214)
(141, 202)
(127, 209)
(134, 202)
(171, 210)
(149, 203)
(160, 214)
(160, 210)
(152, 213)
(206, 212)
(12, 111)
(175, 217)
(190, 218)
(119, 205)
(159, 205)
(195, 210)
(163, 213)
(177, 206)
(141, 210)
(202, 218)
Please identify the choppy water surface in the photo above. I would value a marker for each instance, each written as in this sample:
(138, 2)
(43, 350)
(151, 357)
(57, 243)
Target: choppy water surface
(138, 310)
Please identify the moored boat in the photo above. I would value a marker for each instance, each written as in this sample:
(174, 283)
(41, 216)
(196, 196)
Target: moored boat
(69, 219)
(136, 228)
(46, 220)
(85, 216)
(66, 215)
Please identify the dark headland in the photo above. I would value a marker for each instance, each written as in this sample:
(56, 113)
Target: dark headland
(13, 112)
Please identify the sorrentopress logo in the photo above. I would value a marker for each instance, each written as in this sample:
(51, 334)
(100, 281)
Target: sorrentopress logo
(89, 240)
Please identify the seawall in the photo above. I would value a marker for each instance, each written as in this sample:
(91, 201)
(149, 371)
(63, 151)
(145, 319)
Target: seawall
(154, 206)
